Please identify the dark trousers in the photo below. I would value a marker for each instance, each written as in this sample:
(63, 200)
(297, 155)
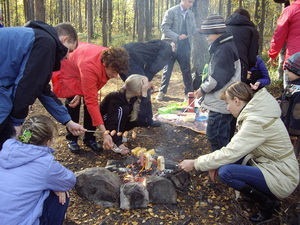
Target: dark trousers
(7, 131)
(182, 55)
(53, 211)
(87, 122)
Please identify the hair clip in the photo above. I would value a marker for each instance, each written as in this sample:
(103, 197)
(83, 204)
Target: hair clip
(25, 137)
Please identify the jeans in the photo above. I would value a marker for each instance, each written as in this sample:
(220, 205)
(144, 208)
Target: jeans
(87, 121)
(218, 129)
(182, 55)
(53, 211)
(237, 176)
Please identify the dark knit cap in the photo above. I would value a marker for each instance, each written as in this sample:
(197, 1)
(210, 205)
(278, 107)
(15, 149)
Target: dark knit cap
(213, 24)
(293, 63)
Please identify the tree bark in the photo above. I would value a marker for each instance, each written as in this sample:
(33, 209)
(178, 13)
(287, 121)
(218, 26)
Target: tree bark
(141, 20)
(28, 10)
(40, 10)
(104, 23)
(89, 20)
(199, 54)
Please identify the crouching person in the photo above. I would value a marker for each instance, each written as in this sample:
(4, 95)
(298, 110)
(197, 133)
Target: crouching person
(33, 186)
(259, 161)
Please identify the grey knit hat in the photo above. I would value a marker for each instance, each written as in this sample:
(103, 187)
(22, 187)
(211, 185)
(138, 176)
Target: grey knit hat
(213, 24)
(293, 63)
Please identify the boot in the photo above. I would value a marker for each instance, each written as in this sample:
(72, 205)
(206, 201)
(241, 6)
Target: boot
(268, 203)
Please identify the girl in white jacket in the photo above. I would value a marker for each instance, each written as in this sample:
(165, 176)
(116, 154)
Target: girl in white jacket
(259, 161)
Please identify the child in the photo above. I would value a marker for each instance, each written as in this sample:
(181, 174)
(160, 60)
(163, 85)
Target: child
(33, 186)
(258, 76)
(120, 109)
(290, 102)
(224, 68)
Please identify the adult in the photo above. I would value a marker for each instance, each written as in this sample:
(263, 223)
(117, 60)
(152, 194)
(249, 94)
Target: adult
(84, 73)
(178, 26)
(147, 59)
(287, 33)
(245, 37)
(120, 109)
(27, 58)
(272, 170)
(33, 186)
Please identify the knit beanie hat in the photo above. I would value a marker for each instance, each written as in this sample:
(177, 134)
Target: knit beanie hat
(213, 24)
(293, 63)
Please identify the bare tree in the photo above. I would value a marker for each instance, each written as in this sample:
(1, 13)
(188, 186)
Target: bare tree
(89, 20)
(200, 46)
(39, 10)
(28, 9)
(104, 23)
(141, 20)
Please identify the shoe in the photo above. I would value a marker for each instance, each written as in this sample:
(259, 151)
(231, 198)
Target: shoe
(155, 123)
(269, 204)
(95, 146)
(74, 147)
(160, 96)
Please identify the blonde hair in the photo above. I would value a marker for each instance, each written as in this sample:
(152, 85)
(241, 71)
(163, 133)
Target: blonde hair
(238, 89)
(134, 82)
(38, 129)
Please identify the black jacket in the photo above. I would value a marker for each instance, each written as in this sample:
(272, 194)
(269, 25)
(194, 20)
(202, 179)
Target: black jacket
(147, 58)
(116, 110)
(290, 105)
(245, 37)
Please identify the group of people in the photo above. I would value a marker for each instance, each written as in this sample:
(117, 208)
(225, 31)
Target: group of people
(258, 160)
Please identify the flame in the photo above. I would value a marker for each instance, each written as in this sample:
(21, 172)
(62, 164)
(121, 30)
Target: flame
(145, 182)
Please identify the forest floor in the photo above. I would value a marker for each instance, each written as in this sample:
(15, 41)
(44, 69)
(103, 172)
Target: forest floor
(204, 203)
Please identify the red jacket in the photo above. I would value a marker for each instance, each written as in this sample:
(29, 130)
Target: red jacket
(82, 74)
(287, 30)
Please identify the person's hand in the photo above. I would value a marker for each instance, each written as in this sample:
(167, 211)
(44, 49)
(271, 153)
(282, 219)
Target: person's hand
(151, 86)
(108, 143)
(75, 128)
(75, 101)
(187, 165)
(183, 36)
(124, 149)
(213, 174)
(249, 73)
(18, 130)
(62, 196)
(254, 86)
(272, 62)
(198, 93)
(173, 46)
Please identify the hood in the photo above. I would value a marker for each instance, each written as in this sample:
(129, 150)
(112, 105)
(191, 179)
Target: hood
(262, 106)
(61, 50)
(237, 19)
(15, 153)
(220, 40)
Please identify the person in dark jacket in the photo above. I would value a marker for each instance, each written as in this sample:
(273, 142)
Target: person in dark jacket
(147, 59)
(120, 109)
(245, 37)
(290, 100)
(27, 58)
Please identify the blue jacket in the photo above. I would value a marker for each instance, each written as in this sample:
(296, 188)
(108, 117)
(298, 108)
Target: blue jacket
(27, 173)
(28, 57)
(263, 73)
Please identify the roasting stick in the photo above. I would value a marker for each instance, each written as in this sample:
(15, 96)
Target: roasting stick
(189, 105)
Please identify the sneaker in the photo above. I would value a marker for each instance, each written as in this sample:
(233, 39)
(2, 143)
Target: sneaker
(160, 96)
(155, 123)
(73, 147)
(93, 145)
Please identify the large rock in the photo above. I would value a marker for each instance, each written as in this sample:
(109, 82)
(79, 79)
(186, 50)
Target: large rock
(133, 195)
(99, 185)
(161, 190)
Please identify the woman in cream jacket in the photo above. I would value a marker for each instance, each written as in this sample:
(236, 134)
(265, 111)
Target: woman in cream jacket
(259, 160)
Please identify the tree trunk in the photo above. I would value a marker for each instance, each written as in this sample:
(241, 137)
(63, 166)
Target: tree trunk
(229, 8)
(104, 23)
(89, 20)
(80, 17)
(221, 7)
(61, 11)
(261, 26)
(148, 13)
(28, 10)
(240, 3)
(199, 54)
(110, 19)
(141, 20)
(40, 10)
